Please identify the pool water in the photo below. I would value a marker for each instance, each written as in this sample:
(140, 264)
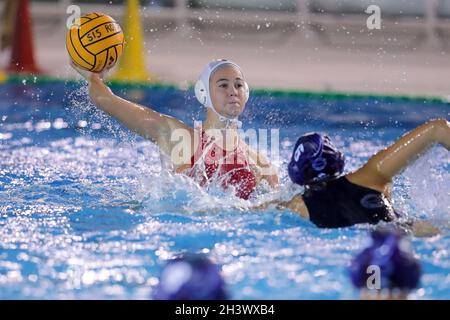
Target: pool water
(86, 212)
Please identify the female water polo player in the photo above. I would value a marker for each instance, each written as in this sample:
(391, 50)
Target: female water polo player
(332, 200)
(191, 277)
(390, 252)
(213, 153)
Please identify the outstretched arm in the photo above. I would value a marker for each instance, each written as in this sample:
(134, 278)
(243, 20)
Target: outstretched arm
(378, 172)
(150, 124)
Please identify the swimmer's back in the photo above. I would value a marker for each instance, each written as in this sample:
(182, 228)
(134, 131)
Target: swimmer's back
(341, 203)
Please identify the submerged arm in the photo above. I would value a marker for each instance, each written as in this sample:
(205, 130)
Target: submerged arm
(296, 204)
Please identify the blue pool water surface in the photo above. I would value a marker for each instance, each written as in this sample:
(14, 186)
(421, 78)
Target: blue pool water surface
(86, 212)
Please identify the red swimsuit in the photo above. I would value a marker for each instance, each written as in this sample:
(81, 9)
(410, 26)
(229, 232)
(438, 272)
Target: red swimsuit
(211, 162)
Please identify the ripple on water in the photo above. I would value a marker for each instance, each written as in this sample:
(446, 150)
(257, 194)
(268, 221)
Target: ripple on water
(88, 214)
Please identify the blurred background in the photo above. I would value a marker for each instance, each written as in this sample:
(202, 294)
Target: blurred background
(315, 45)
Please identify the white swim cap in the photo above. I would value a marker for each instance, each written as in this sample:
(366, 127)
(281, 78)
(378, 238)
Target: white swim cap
(202, 91)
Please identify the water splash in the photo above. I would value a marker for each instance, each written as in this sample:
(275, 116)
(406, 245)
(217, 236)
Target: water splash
(426, 186)
(91, 214)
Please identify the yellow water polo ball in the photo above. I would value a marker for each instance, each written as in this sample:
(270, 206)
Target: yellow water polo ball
(95, 42)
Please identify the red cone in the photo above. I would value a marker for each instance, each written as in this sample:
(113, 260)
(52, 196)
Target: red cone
(22, 57)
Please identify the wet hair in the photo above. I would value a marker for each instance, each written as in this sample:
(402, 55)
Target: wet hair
(190, 277)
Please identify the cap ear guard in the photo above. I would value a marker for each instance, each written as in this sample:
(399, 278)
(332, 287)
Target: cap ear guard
(246, 91)
(315, 159)
(200, 92)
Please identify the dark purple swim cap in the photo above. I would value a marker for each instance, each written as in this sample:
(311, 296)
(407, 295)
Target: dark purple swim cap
(191, 277)
(314, 159)
(391, 252)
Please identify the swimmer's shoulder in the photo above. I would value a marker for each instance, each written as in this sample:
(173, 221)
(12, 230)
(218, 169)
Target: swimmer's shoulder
(297, 205)
(363, 179)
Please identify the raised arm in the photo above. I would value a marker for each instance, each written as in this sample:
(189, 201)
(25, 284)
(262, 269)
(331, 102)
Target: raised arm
(150, 124)
(378, 172)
